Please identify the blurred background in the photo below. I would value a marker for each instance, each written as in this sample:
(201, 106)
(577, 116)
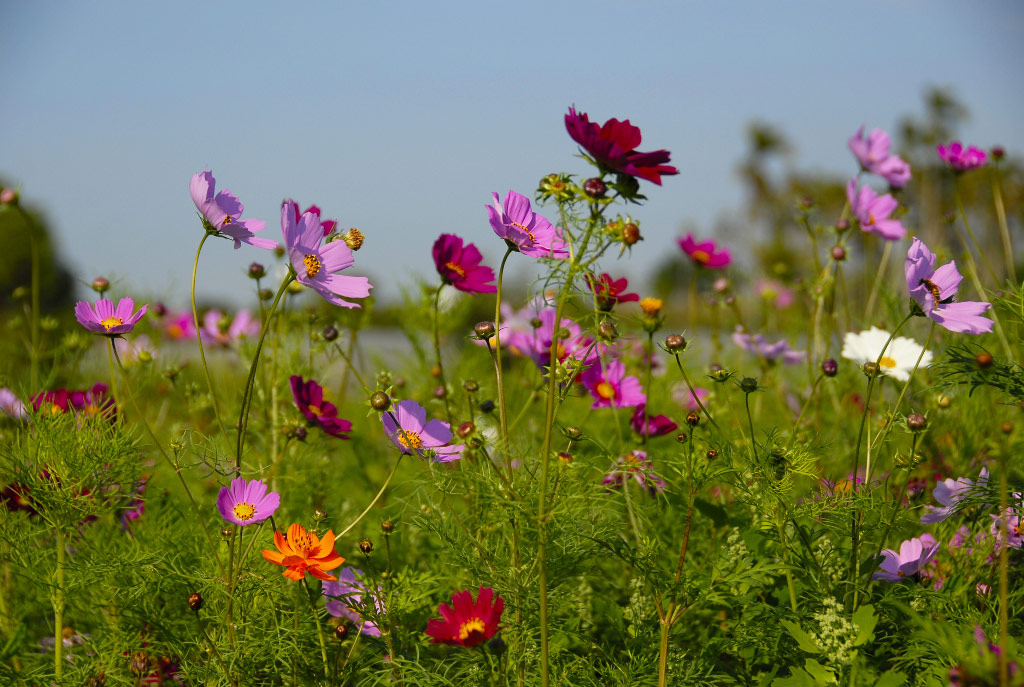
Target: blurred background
(401, 118)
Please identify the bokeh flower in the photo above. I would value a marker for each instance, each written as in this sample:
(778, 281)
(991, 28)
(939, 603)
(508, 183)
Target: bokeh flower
(874, 157)
(247, 502)
(412, 433)
(459, 265)
(303, 552)
(900, 357)
(610, 387)
(772, 352)
(315, 263)
(467, 622)
(309, 398)
(104, 318)
(873, 212)
(950, 493)
(345, 598)
(610, 292)
(221, 213)
(651, 425)
(774, 293)
(637, 466)
(914, 554)
(221, 330)
(706, 253)
(523, 229)
(682, 395)
(961, 158)
(12, 406)
(328, 226)
(934, 289)
(613, 147)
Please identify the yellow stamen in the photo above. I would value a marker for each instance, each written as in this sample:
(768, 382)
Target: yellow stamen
(528, 232)
(354, 239)
(888, 362)
(651, 306)
(409, 439)
(469, 627)
(313, 265)
(457, 269)
(316, 410)
(111, 322)
(703, 257)
(606, 391)
(244, 511)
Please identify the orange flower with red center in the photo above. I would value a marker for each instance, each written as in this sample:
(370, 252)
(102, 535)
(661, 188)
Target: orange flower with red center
(301, 552)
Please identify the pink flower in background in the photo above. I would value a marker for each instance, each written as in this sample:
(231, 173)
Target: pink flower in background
(222, 211)
(221, 330)
(412, 433)
(682, 395)
(525, 230)
(611, 388)
(1013, 520)
(914, 554)
(180, 325)
(950, 493)
(637, 466)
(613, 147)
(316, 263)
(535, 342)
(459, 265)
(328, 225)
(12, 406)
(873, 155)
(774, 293)
(651, 425)
(934, 289)
(756, 343)
(872, 212)
(895, 170)
(706, 253)
(961, 159)
(104, 318)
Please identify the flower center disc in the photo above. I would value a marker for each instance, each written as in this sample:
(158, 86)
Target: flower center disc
(703, 257)
(409, 439)
(312, 264)
(244, 511)
(457, 269)
(111, 322)
(606, 391)
(887, 362)
(471, 626)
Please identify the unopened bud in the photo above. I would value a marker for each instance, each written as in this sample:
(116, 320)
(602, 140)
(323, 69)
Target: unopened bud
(573, 432)
(465, 429)
(675, 342)
(870, 369)
(380, 401)
(983, 359)
(319, 514)
(435, 371)
(829, 367)
(354, 238)
(943, 401)
(748, 385)
(100, 285)
(195, 601)
(842, 225)
(712, 454)
(607, 330)
(692, 418)
(1006, 428)
(535, 322)
(487, 406)
(838, 253)
(387, 527)
(301, 433)
(470, 386)
(916, 422)
(329, 333)
(366, 546)
(257, 271)
(440, 391)
(998, 153)
(484, 330)
(682, 437)
(341, 632)
(631, 234)
(564, 458)
(266, 294)
(226, 533)
(8, 196)
(595, 188)
(159, 309)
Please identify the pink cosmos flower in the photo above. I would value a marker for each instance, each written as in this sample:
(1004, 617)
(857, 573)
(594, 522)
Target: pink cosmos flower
(535, 342)
(459, 265)
(934, 289)
(180, 325)
(950, 493)
(705, 253)
(328, 225)
(610, 388)
(872, 212)
(246, 503)
(344, 598)
(774, 293)
(914, 554)
(316, 263)
(682, 395)
(613, 147)
(221, 213)
(523, 229)
(873, 155)
(104, 318)
(637, 465)
(12, 406)
(413, 434)
(895, 170)
(961, 159)
(610, 292)
(651, 425)
(1013, 520)
(309, 398)
(756, 343)
(221, 330)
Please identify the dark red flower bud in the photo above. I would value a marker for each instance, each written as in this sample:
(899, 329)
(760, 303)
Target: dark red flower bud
(675, 342)
(387, 527)
(595, 188)
(329, 333)
(998, 153)
(366, 546)
(916, 422)
(440, 391)
(341, 632)
(484, 330)
(838, 253)
(631, 234)
(842, 225)
(564, 458)
(465, 429)
(257, 271)
(195, 601)
(487, 406)
(712, 454)
(692, 418)
(829, 367)
(301, 433)
(682, 437)
(983, 359)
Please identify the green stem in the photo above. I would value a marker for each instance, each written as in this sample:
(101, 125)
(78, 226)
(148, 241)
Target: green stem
(1004, 566)
(374, 501)
(879, 277)
(437, 352)
(502, 412)
(59, 598)
(1004, 229)
(693, 393)
(199, 338)
(970, 232)
(319, 628)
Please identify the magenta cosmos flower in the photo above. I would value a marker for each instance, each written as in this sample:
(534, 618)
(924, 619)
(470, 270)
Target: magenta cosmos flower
(682, 395)
(705, 253)
(961, 159)
(413, 434)
(221, 213)
(344, 598)
(459, 265)
(467, 622)
(611, 388)
(316, 263)
(873, 155)
(913, 555)
(610, 292)
(244, 502)
(934, 290)
(638, 466)
(872, 212)
(309, 397)
(613, 147)
(221, 330)
(104, 318)
(651, 425)
(523, 229)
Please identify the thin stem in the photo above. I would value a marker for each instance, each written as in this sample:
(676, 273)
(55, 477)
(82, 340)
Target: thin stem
(58, 607)
(347, 357)
(1004, 229)
(216, 652)
(879, 278)
(319, 628)
(693, 393)
(374, 501)
(970, 232)
(199, 339)
(502, 412)
(437, 352)
(903, 391)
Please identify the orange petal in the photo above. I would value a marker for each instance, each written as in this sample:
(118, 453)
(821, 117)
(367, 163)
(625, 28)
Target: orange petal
(325, 546)
(321, 575)
(330, 562)
(274, 557)
(281, 544)
(294, 573)
(294, 533)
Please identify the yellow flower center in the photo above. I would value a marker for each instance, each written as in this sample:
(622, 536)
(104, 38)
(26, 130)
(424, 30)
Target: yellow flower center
(354, 239)
(651, 306)
(316, 410)
(111, 322)
(887, 362)
(313, 265)
(701, 256)
(606, 391)
(457, 269)
(528, 232)
(409, 439)
(871, 219)
(470, 626)
(244, 511)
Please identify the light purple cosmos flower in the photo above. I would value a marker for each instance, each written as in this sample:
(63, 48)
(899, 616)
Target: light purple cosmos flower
(344, 599)
(611, 388)
(774, 293)
(220, 330)
(637, 465)
(413, 434)
(961, 159)
(104, 318)
(1013, 520)
(12, 406)
(873, 155)
(950, 493)
(934, 289)
(221, 213)
(872, 212)
(756, 343)
(913, 555)
(895, 170)
(535, 342)
(315, 263)
(525, 230)
(245, 502)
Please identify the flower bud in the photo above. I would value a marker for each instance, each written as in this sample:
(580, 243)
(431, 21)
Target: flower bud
(440, 391)
(380, 401)
(535, 322)
(838, 253)
(329, 333)
(607, 330)
(721, 285)
(226, 533)
(257, 271)
(465, 429)
(748, 385)
(341, 632)
(387, 527)
(100, 285)
(631, 234)
(497, 645)
(487, 406)
(998, 153)
(195, 601)
(712, 454)
(366, 546)
(984, 359)
(829, 367)
(301, 433)
(159, 309)
(484, 330)
(279, 251)
(675, 342)
(470, 386)
(943, 401)
(354, 239)
(266, 294)
(573, 432)
(682, 437)
(692, 418)
(916, 422)
(8, 196)
(319, 514)
(435, 371)
(870, 369)
(564, 458)
(842, 225)
(595, 188)
(1006, 428)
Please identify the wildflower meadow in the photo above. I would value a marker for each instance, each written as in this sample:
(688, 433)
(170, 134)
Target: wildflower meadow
(797, 469)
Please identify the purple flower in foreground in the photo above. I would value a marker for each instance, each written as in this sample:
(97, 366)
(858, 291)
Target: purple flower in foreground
(221, 213)
(344, 599)
(913, 555)
(523, 229)
(756, 343)
(104, 318)
(611, 388)
(950, 493)
(961, 159)
(933, 290)
(413, 434)
(309, 398)
(872, 212)
(245, 502)
(315, 263)
(637, 465)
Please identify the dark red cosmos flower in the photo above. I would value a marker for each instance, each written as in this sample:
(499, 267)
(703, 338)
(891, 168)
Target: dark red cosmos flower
(309, 397)
(459, 265)
(655, 425)
(609, 292)
(328, 225)
(467, 622)
(613, 147)
(14, 497)
(93, 401)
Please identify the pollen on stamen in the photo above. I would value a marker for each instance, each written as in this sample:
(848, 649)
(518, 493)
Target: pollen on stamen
(312, 264)
(111, 322)
(457, 269)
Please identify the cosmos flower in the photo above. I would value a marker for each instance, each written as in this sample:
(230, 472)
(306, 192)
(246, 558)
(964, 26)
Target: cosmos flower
(610, 388)
(934, 289)
(221, 330)
(1013, 520)
(303, 552)
(756, 343)
(328, 226)
(523, 229)
(92, 401)
(535, 341)
(246, 503)
(309, 397)
(682, 395)
(609, 292)
(104, 318)
(467, 622)
(11, 405)
(900, 355)
(179, 325)
(613, 147)
(316, 263)
(774, 293)
(459, 265)
(221, 212)
(894, 170)
(706, 253)
(950, 493)
(637, 465)
(873, 155)
(959, 158)
(343, 598)
(872, 212)
(651, 425)
(413, 434)
(914, 554)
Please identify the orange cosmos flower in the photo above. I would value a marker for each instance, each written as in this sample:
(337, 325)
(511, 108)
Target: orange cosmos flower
(303, 552)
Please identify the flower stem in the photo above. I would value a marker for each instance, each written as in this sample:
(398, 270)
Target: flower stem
(437, 352)
(375, 499)
(1004, 229)
(502, 412)
(879, 278)
(58, 607)
(970, 232)
(199, 339)
(319, 628)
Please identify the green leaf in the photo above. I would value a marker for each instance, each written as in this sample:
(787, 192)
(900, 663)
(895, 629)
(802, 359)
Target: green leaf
(802, 638)
(799, 678)
(865, 620)
(891, 678)
(821, 674)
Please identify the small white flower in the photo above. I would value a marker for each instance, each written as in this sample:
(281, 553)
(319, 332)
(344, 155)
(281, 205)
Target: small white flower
(900, 356)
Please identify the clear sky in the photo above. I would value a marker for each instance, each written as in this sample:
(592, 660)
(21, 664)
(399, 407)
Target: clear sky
(401, 117)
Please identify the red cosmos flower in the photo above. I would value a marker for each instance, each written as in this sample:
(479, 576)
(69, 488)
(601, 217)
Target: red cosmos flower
(467, 622)
(613, 147)
(309, 397)
(459, 265)
(609, 292)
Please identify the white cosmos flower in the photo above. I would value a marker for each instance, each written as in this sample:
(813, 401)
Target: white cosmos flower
(900, 356)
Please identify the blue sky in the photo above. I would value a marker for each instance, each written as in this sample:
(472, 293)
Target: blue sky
(400, 118)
